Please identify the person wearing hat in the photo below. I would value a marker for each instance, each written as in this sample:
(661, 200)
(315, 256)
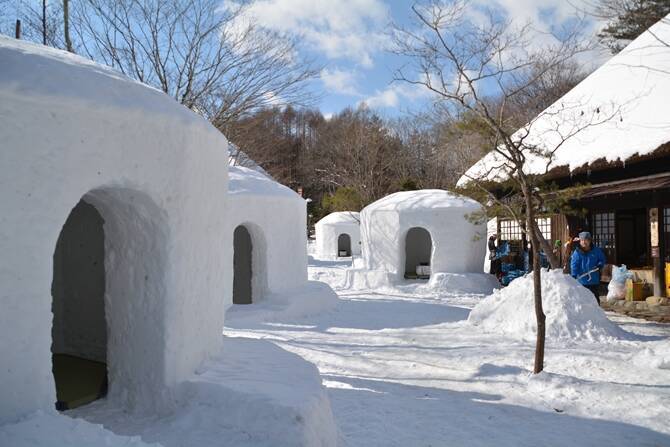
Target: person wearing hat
(493, 257)
(586, 262)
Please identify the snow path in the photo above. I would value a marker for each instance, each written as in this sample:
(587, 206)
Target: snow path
(408, 370)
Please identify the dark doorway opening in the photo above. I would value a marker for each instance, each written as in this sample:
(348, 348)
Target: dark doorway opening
(343, 245)
(418, 249)
(631, 228)
(79, 331)
(242, 266)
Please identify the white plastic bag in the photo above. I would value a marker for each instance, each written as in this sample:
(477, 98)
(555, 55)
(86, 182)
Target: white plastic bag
(616, 290)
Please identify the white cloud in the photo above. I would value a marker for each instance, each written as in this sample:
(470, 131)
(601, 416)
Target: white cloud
(347, 29)
(340, 81)
(396, 95)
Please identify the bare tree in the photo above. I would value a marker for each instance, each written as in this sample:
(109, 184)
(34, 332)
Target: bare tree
(359, 151)
(66, 26)
(458, 59)
(204, 55)
(41, 21)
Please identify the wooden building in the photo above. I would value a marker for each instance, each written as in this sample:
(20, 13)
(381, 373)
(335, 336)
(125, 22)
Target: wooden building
(626, 207)
(622, 155)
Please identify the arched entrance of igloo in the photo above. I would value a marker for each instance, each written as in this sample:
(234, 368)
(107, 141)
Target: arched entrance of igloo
(343, 245)
(418, 251)
(242, 266)
(79, 332)
(108, 283)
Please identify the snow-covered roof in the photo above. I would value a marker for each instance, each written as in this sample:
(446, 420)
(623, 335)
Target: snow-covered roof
(424, 199)
(341, 218)
(618, 111)
(247, 181)
(75, 78)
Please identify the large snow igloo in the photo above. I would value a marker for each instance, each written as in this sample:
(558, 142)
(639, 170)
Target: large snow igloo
(113, 197)
(268, 223)
(338, 235)
(428, 229)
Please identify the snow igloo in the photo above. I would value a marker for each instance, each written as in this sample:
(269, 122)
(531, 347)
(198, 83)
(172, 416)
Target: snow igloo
(110, 236)
(423, 234)
(268, 223)
(338, 235)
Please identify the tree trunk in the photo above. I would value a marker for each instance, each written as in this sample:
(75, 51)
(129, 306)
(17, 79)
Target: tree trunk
(540, 318)
(66, 25)
(546, 247)
(44, 22)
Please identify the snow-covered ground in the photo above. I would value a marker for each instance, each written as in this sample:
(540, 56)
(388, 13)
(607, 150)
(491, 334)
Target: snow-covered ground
(406, 369)
(253, 395)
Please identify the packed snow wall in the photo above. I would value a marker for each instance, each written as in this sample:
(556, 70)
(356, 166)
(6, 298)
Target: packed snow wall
(330, 231)
(456, 241)
(156, 173)
(276, 218)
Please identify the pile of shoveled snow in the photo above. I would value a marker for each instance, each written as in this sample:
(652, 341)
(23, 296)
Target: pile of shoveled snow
(51, 429)
(311, 299)
(572, 311)
(655, 355)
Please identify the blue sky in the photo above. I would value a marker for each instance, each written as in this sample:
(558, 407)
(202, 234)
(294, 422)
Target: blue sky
(349, 39)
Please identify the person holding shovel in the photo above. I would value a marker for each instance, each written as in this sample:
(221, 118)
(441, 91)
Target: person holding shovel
(586, 262)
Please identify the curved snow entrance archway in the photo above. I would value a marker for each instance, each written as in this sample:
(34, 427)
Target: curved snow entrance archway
(108, 286)
(79, 332)
(343, 245)
(418, 251)
(249, 263)
(242, 266)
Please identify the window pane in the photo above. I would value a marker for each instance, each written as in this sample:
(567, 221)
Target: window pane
(604, 230)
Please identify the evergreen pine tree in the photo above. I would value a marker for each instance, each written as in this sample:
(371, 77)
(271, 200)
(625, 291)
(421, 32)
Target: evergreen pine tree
(629, 19)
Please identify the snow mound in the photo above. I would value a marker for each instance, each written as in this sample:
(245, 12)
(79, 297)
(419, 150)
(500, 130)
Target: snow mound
(51, 429)
(477, 283)
(252, 394)
(572, 311)
(313, 298)
(263, 394)
(439, 283)
(656, 356)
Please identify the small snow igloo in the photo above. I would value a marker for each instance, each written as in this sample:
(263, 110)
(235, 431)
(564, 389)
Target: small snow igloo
(417, 235)
(338, 235)
(110, 236)
(268, 223)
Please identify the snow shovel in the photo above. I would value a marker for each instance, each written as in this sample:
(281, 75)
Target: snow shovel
(588, 273)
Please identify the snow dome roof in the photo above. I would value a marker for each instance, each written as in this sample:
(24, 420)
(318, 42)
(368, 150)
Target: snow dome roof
(237, 157)
(75, 78)
(247, 181)
(421, 200)
(625, 100)
(341, 217)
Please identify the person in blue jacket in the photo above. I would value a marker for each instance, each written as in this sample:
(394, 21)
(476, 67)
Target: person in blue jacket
(586, 262)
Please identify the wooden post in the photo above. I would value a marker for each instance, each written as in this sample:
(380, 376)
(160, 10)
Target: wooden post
(17, 30)
(655, 251)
